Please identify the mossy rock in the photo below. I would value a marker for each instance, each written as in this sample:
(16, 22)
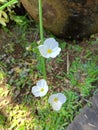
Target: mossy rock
(66, 18)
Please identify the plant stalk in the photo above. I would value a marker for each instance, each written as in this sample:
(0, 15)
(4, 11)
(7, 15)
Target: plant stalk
(8, 4)
(42, 36)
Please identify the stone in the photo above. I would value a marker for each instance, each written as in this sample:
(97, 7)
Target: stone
(66, 18)
(95, 103)
(88, 118)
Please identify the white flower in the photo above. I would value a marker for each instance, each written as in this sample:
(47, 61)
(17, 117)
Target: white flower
(50, 48)
(57, 100)
(40, 89)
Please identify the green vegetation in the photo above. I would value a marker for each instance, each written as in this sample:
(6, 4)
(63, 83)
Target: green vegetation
(74, 73)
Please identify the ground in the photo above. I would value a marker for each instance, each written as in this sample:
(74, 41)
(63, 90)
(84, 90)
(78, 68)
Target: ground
(74, 72)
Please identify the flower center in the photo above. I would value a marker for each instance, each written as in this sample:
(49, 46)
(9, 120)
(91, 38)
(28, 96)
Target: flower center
(42, 89)
(49, 51)
(55, 99)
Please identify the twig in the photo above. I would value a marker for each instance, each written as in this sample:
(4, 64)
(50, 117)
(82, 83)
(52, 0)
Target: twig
(68, 64)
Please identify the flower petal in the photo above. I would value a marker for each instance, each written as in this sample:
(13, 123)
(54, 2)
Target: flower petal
(43, 51)
(50, 43)
(55, 53)
(41, 83)
(61, 97)
(35, 91)
(50, 100)
(56, 106)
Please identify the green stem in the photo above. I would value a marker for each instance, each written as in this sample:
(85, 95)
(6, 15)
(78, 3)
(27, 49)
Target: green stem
(41, 21)
(8, 3)
(42, 36)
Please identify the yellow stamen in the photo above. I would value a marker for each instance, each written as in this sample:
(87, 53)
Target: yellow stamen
(42, 89)
(49, 51)
(55, 99)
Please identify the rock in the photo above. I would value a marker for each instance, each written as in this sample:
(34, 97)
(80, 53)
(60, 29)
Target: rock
(66, 18)
(88, 118)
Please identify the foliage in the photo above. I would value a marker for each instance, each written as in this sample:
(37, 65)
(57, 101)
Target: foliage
(21, 68)
(22, 75)
(7, 12)
(84, 75)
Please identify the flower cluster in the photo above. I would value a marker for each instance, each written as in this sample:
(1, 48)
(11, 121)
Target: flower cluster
(50, 49)
(41, 89)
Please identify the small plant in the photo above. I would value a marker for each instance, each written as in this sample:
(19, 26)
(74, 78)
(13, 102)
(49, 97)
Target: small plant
(49, 49)
(39, 96)
(7, 12)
